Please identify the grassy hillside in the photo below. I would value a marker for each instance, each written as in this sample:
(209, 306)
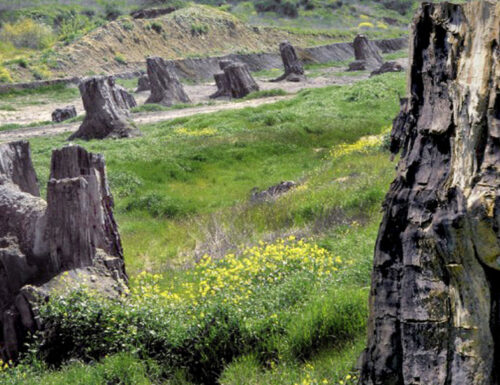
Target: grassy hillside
(225, 290)
(46, 39)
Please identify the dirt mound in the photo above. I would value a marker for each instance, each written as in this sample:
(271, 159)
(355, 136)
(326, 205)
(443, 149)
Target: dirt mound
(197, 30)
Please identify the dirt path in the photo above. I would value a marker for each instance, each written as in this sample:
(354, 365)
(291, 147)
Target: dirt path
(198, 93)
(30, 132)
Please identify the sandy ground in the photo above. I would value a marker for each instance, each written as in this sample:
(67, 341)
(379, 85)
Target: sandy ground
(200, 93)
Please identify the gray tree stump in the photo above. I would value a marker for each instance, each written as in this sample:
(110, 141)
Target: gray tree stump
(74, 232)
(143, 84)
(367, 55)
(222, 82)
(16, 165)
(106, 113)
(62, 114)
(240, 80)
(166, 89)
(294, 70)
(435, 297)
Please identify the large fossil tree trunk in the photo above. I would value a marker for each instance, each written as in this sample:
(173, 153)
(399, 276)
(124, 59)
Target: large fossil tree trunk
(367, 55)
(106, 108)
(165, 86)
(74, 232)
(294, 70)
(222, 81)
(240, 81)
(435, 297)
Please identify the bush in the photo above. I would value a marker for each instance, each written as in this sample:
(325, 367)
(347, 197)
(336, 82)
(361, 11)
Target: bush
(5, 75)
(287, 8)
(274, 299)
(26, 33)
(158, 205)
(73, 27)
(199, 29)
(120, 59)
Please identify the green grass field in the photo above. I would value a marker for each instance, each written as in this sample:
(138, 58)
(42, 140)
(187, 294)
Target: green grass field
(225, 290)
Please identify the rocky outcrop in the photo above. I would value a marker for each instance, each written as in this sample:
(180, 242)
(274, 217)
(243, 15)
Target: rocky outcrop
(62, 114)
(367, 55)
(165, 86)
(106, 108)
(435, 298)
(294, 70)
(68, 242)
(272, 192)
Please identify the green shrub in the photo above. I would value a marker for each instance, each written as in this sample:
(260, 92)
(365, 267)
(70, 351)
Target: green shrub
(73, 27)
(27, 33)
(199, 29)
(120, 59)
(158, 205)
(5, 75)
(128, 25)
(287, 8)
(157, 27)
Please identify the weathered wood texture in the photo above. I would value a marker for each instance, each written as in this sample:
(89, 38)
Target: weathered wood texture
(435, 297)
(294, 70)
(106, 108)
(143, 84)
(240, 80)
(222, 82)
(366, 54)
(166, 89)
(62, 114)
(74, 232)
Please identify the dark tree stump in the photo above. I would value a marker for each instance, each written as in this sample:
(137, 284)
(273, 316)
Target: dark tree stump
(166, 89)
(240, 80)
(123, 98)
(367, 55)
(16, 165)
(222, 82)
(143, 84)
(294, 70)
(390, 66)
(74, 231)
(435, 297)
(106, 114)
(62, 114)
(75, 161)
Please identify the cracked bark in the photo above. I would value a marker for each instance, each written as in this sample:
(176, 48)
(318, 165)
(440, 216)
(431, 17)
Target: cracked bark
(73, 232)
(434, 303)
(106, 106)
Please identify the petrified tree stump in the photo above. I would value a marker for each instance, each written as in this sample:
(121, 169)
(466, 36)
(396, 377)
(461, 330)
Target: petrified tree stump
(294, 70)
(143, 84)
(435, 297)
(16, 165)
(62, 114)
(166, 89)
(366, 54)
(240, 81)
(106, 111)
(123, 98)
(74, 232)
(389, 66)
(222, 82)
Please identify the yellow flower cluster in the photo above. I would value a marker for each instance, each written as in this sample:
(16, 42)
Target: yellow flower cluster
(4, 365)
(363, 145)
(203, 132)
(237, 277)
(311, 378)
